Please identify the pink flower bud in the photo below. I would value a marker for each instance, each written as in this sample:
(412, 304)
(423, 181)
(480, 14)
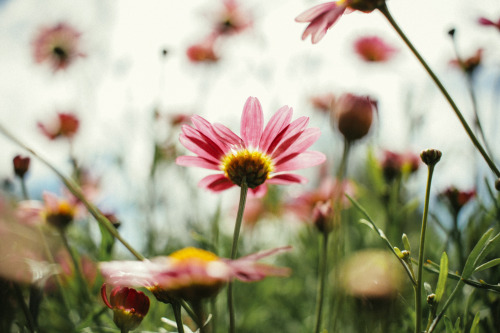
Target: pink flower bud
(354, 115)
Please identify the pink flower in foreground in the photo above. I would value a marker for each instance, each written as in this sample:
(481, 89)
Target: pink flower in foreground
(373, 49)
(322, 17)
(232, 19)
(66, 125)
(190, 274)
(129, 306)
(487, 22)
(57, 45)
(261, 155)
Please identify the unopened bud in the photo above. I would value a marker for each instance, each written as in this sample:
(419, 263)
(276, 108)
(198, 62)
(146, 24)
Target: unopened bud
(430, 156)
(322, 216)
(451, 32)
(497, 184)
(431, 299)
(354, 115)
(21, 165)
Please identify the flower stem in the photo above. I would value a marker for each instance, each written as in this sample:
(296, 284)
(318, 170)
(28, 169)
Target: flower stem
(176, 307)
(322, 279)
(234, 250)
(418, 287)
(29, 319)
(385, 11)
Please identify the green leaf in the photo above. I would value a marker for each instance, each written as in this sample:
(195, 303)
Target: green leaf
(487, 265)
(449, 325)
(490, 246)
(457, 325)
(107, 241)
(367, 223)
(428, 288)
(443, 276)
(474, 255)
(474, 327)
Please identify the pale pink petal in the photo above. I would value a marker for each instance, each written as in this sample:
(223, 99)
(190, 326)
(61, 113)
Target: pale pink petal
(295, 127)
(200, 144)
(207, 129)
(51, 201)
(286, 179)
(129, 273)
(257, 192)
(315, 11)
(485, 21)
(197, 161)
(215, 183)
(304, 160)
(252, 123)
(276, 124)
(265, 253)
(227, 135)
(296, 144)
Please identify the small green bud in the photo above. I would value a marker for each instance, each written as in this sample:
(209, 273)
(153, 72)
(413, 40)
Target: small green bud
(431, 299)
(406, 242)
(430, 156)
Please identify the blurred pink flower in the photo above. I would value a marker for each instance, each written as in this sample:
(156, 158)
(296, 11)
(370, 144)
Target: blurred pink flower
(203, 51)
(58, 45)
(190, 273)
(373, 49)
(323, 102)
(262, 155)
(395, 164)
(58, 212)
(232, 19)
(456, 198)
(321, 18)
(470, 64)
(66, 125)
(21, 165)
(487, 22)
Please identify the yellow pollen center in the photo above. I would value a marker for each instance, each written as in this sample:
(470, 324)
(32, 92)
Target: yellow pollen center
(193, 253)
(252, 166)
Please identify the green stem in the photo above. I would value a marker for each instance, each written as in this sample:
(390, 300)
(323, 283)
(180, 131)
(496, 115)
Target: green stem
(76, 191)
(418, 287)
(29, 319)
(198, 309)
(385, 11)
(24, 189)
(445, 307)
(322, 279)
(234, 250)
(176, 307)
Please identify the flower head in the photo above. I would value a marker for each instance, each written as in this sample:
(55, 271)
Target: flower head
(57, 45)
(354, 115)
(190, 274)
(261, 155)
(66, 125)
(129, 306)
(232, 19)
(21, 165)
(203, 51)
(456, 198)
(395, 164)
(323, 16)
(470, 64)
(373, 49)
(58, 212)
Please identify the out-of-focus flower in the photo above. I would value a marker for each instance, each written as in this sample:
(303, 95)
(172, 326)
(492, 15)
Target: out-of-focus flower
(66, 125)
(456, 199)
(129, 306)
(179, 119)
(203, 52)
(372, 274)
(261, 155)
(232, 19)
(373, 49)
(470, 64)
(354, 115)
(58, 45)
(323, 16)
(323, 102)
(190, 274)
(329, 189)
(21, 165)
(487, 22)
(322, 214)
(395, 164)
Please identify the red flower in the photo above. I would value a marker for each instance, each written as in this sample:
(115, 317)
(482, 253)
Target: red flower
(66, 125)
(394, 164)
(21, 165)
(203, 51)
(373, 49)
(57, 45)
(456, 198)
(129, 306)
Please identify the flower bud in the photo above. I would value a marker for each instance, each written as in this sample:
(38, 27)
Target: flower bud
(430, 156)
(497, 184)
(21, 165)
(322, 216)
(431, 299)
(129, 306)
(354, 115)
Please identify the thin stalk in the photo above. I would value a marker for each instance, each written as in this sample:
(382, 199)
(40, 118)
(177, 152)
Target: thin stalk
(176, 307)
(234, 250)
(24, 189)
(198, 309)
(29, 319)
(322, 279)
(445, 307)
(385, 11)
(418, 287)
(76, 191)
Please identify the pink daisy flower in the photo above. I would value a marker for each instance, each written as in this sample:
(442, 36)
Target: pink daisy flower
(66, 125)
(261, 155)
(373, 49)
(487, 22)
(57, 45)
(190, 274)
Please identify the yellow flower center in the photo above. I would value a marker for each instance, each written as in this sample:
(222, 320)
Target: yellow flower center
(193, 253)
(252, 166)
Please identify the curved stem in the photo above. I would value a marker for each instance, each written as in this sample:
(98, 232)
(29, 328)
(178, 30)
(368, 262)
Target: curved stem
(418, 287)
(385, 11)
(234, 250)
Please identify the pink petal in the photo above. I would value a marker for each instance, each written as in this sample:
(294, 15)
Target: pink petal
(128, 273)
(197, 161)
(485, 21)
(295, 127)
(247, 269)
(315, 11)
(252, 123)
(227, 135)
(265, 253)
(215, 183)
(279, 120)
(286, 179)
(200, 144)
(51, 201)
(207, 129)
(304, 160)
(258, 192)
(296, 144)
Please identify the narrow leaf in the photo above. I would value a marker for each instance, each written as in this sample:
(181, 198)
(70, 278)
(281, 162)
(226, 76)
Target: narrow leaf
(487, 265)
(449, 325)
(490, 246)
(443, 276)
(474, 327)
(474, 255)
